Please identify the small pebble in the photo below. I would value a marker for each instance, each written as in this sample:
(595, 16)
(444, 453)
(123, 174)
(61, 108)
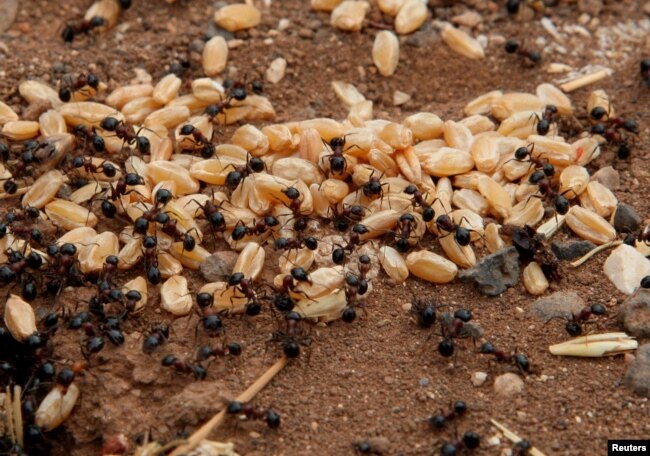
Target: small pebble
(508, 385)
(424, 382)
(634, 313)
(637, 376)
(625, 267)
(559, 304)
(479, 378)
(608, 176)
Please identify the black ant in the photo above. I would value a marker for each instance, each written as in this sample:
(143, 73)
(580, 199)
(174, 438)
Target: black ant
(271, 417)
(374, 188)
(213, 110)
(238, 89)
(236, 177)
(520, 361)
(200, 140)
(258, 229)
(161, 198)
(560, 202)
(425, 312)
(439, 421)
(64, 266)
(513, 47)
(126, 133)
(213, 214)
(212, 322)
(613, 136)
(247, 289)
(282, 300)
(338, 163)
(446, 224)
(618, 123)
(309, 242)
(85, 26)
(356, 285)
(524, 154)
(68, 89)
(21, 168)
(632, 238)
(20, 215)
(350, 213)
(645, 71)
(155, 339)
(184, 366)
(150, 256)
(18, 265)
(293, 337)
(117, 190)
(419, 201)
(295, 206)
(207, 352)
(574, 325)
(470, 441)
(340, 252)
(543, 123)
(170, 228)
(512, 6)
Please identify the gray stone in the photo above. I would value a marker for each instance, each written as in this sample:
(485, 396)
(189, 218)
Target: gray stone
(571, 250)
(213, 30)
(634, 313)
(196, 46)
(561, 304)
(508, 385)
(218, 266)
(194, 404)
(495, 273)
(626, 219)
(608, 176)
(637, 376)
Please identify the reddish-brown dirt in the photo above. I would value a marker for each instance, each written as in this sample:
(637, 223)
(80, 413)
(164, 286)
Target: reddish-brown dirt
(380, 376)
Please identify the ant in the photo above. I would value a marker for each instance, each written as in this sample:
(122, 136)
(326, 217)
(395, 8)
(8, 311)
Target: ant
(155, 339)
(520, 361)
(237, 89)
(150, 255)
(170, 228)
(420, 201)
(543, 123)
(213, 110)
(18, 264)
(531, 246)
(645, 71)
(451, 329)
(236, 177)
(374, 188)
(338, 163)
(282, 300)
(309, 242)
(560, 202)
(245, 286)
(68, 89)
(119, 189)
(85, 26)
(161, 198)
(184, 366)
(22, 167)
(339, 253)
(105, 168)
(513, 47)
(613, 136)
(67, 375)
(293, 337)
(212, 213)
(200, 140)
(21, 215)
(440, 421)
(632, 238)
(574, 327)
(258, 229)
(206, 352)
(212, 323)
(271, 417)
(90, 134)
(295, 206)
(406, 225)
(470, 441)
(425, 312)
(126, 133)
(524, 154)
(522, 448)
(349, 213)
(462, 235)
(65, 265)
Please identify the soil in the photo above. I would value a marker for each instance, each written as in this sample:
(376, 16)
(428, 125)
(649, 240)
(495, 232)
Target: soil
(379, 377)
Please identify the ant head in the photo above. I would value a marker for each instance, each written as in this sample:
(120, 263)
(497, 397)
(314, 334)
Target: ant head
(34, 260)
(97, 21)
(631, 125)
(598, 113)
(234, 407)
(10, 186)
(543, 127)
(522, 362)
(535, 56)
(238, 233)
(143, 145)
(311, 243)
(233, 179)
(78, 162)
(446, 348)
(168, 360)
(204, 300)
(189, 243)
(134, 295)
(68, 35)
(562, 205)
(187, 129)
(65, 94)
(598, 309)
(407, 218)
(551, 109)
(163, 196)
(460, 407)
(464, 315)
(486, 348)
(598, 129)
(549, 170)
(573, 328)
(349, 314)
(293, 316)
(109, 123)
(471, 440)
(360, 229)
(109, 170)
(428, 213)
(235, 279)
(337, 142)
(92, 81)
(511, 46)
(338, 256)
(141, 225)
(257, 87)
(271, 221)
(238, 93)
(291, 349)
(68, 249)
(207, 151)
(411, 189)
(149, 242)
(645, 282)
(402, 245)
(234, 348)
(299, 274)
(512, 6)
(281, 243)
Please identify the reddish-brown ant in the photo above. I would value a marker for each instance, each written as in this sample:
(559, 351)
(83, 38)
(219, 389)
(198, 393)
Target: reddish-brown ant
(520, 361)
(452, 328)
(117, 190)
(524, 154)
(204, 144)
(207, 352)
(349, 213)
(296, 243)
(425, 312)
(440, 420)
(420, 201)
(237, 176)
(85, 26)
(258, 229)
(560, 202)
(248, 290)
(184, 366)
(293, 337)
(150, 256)
(126, 133)
(337, 162)
(543, 123)
(612, 134)
(105, 168)
(212, 322)
(513, 47)
(271, 417)
(68, 88)
(89, 134)
(446, 224)
(354, 240)
(213, 214)
(404, 232)
(574, 324)
(155, 214)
